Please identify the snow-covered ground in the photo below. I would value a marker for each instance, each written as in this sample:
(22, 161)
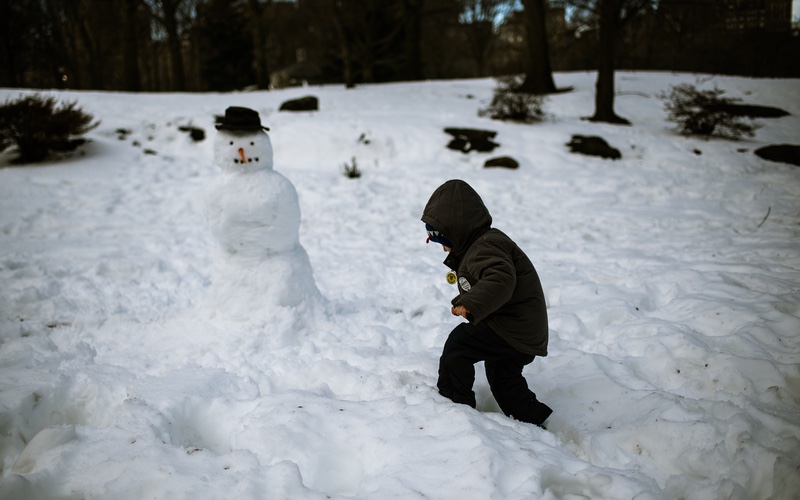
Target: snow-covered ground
(672, 278)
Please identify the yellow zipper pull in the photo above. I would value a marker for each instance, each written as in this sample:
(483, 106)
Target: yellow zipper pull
(452, 278)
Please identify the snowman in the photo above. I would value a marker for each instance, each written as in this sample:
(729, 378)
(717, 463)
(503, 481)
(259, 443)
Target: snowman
(254, 214)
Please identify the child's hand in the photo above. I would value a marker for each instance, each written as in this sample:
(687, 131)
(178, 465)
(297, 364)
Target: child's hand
(459, 311)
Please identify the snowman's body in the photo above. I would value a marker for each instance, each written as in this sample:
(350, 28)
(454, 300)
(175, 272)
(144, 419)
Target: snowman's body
(254, 213)
(252, 210)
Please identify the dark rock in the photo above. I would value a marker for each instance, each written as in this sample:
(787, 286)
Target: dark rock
(459, 145)
(308, 103)
(468, 139)
(502, 162)
(749, 110)
(197, 134)
(783, 153)
(593, 146)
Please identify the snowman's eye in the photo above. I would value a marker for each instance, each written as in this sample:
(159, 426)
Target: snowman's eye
(231, 143)
(252, 143)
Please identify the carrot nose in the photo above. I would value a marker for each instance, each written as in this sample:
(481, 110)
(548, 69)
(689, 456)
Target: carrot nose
(241, 155)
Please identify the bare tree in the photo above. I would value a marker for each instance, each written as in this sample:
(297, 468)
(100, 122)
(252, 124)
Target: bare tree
(377, 30)
(225, 56)
(412, 13)
(85, 41)
(539, 75)
(609, 11)
(338, 14)
(326, 14)
(130, 46)
(169, 14)
(9, 46)
(366, 34)
(260, 30)
(360, 24)
(478, 17)
(77, 21)
(27, 54)
(610, 16)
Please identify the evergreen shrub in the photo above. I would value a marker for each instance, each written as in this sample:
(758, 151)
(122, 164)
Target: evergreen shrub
(351, 170)
(509, 104)
(38, 126)
(703, 113)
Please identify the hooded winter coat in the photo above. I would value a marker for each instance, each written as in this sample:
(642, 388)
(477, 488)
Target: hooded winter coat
(497, 282)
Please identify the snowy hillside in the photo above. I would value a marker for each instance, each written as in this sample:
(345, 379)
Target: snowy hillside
(672, 279)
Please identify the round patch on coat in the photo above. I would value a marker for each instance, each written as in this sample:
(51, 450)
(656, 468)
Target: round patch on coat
(464, 284)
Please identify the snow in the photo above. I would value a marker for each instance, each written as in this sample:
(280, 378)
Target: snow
(128, 371)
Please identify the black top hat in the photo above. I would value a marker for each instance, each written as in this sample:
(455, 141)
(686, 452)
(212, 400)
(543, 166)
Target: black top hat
(237, 118)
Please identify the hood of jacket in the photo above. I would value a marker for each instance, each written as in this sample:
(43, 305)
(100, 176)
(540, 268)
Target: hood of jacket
(457, 211)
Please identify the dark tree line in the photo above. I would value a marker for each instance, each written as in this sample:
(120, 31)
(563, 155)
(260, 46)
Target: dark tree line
(219, 45)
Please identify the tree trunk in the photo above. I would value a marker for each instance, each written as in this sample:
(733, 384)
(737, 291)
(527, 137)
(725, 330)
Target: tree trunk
(8, 48)
(259, 30)
(130, 52)
(344, 47)
(365, 42)
(539, 77)
(412, 18)
(479, 35)
(604, 91)
(74, 68)
(170, 11)
(477, 18)
(77, 24)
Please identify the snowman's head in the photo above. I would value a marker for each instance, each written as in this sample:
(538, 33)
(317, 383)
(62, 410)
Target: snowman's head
(243, 150)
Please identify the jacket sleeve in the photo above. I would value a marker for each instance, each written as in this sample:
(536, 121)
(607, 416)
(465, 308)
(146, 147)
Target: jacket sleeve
(496, 279)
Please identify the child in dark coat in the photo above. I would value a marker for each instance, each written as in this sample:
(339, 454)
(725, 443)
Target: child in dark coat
(501, 297)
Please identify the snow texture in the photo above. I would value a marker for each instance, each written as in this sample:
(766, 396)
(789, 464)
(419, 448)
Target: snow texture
(149, 352)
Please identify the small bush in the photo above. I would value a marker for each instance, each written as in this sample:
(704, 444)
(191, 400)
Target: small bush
(38, 127)
(702, 112)
(351, 170)
(508, 104)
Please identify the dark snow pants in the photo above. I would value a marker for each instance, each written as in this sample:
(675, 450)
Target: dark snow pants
(469, 344)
